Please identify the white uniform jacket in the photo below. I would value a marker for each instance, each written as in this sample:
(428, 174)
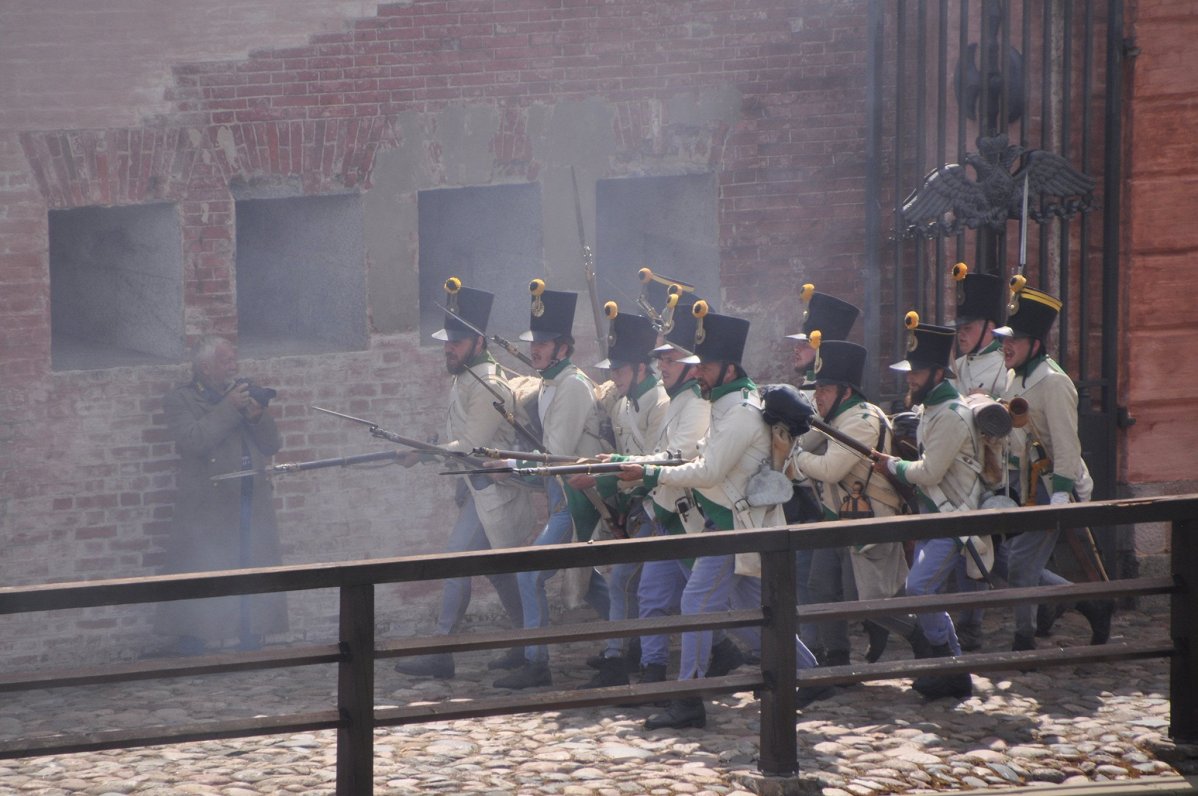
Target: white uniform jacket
(566, 403)
(736, 446)
(472, 422)
(984, 372)
(947, 472)
(638, 428)
(1052, 420)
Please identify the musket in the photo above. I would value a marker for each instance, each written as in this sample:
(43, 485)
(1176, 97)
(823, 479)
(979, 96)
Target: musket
(391, 436)
(597, 468)
(547, 458)
(588, 267)
(316, 464)
(502, 342)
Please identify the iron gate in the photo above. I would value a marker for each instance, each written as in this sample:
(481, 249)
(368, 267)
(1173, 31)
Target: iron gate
(944, 75)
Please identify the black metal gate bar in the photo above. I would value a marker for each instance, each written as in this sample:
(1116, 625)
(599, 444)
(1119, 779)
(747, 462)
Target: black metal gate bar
(1083, 303)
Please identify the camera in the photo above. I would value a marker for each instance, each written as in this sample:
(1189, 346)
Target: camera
(262, 395)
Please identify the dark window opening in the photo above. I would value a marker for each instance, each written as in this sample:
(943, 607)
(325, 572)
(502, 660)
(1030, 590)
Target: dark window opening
(116, 286)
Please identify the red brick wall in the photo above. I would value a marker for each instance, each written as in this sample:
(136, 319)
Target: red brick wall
(87, 473)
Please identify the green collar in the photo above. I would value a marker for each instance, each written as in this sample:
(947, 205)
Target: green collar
(1026, 368)
(854, 399)
(944, 391)
(689, 384)
(995, 345)
(739, 384)
(648, 384)
(555, 370)
(485, 356)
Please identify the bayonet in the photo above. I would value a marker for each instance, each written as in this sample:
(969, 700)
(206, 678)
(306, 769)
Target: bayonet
(391, 436)
(315, 464)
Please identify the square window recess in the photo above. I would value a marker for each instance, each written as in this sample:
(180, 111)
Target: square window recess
(491, 238)
(301, 275)
(668, 224)
(116, 286)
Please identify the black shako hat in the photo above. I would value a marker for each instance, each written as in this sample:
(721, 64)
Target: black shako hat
(928, 346)
(471, 305)
(681, 333)
(979, 296)
(718, 338)
(833, 317)
(1030, 313)
(630, 338)
(839, 362)
(551, 315)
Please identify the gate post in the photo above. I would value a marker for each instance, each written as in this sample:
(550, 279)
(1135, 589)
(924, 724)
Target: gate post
(1183, 627)
(355, 692)
(779, 741)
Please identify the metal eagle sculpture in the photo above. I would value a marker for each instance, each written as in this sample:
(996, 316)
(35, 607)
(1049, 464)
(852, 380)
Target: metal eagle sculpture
(949, 201)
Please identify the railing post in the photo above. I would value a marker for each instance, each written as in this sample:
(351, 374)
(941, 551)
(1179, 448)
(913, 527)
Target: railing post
(779, 742)
(355, 692)
(1183, 627)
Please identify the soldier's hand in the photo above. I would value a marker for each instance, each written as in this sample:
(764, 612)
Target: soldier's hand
(238, 397)
(631, 472)
(409, 459)
(582, 481)
(603, 457)
(881, 462)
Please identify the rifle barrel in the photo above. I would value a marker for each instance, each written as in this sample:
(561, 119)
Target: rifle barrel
(597, 468)
(315, 464)
(548, 458)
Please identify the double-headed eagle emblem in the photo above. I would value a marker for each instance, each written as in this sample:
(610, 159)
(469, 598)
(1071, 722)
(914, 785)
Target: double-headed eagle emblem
(949, 202)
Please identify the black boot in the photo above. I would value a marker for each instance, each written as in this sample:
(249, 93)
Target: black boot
(835, 658)
(969, 634)
(1046, 617)
(1098, 613)
(806, 694)
(437, 666)
(653, 673)
(612, 671)
(688, 712)
(632, 655)
(596, 660)
(512, 659)
(920, 646)
(935, 686)
(529, 675)
(1022, 643)
(725, 656)
(878, 636)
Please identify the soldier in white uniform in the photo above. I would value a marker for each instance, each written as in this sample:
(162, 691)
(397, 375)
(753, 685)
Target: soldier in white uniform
(834, 318)
(638, 420)
(946, 477)
(852, 490)
(570, 427)
(1046, 458)
(980, 370)
(492, 514)
(736, 446)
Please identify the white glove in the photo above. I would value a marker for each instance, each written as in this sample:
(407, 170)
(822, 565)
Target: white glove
(1060, 499)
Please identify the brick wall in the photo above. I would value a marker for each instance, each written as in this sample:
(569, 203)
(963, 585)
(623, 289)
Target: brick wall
(765, 94)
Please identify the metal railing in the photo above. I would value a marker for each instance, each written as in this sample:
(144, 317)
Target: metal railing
(355, 716)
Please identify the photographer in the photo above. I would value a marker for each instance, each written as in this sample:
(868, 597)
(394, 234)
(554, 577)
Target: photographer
(220, 425)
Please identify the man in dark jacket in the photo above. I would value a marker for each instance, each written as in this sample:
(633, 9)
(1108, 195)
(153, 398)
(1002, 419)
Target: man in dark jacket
(218, 427)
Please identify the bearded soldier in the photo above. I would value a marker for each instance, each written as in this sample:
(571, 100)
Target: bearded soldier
(638, 418)
(737, 444)
(492, 513)
(946, 477)
(567, 416)
(1046, 457)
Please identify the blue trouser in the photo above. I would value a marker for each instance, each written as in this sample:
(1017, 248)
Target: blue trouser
(712, 587)
(934, 562)
(966, 584)
(808, 631)
(468, 535)
(622, 583)
(1023, 559)
(660, 594)
(558, 530)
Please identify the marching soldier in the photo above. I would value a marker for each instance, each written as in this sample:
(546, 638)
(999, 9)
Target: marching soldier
(570, 427)
(492, 514)
(638, 420)
(979, 367)
(1046, 458)
(737, 444)
(851, 489)
(834, 318)
(980, 370)
(946, 477)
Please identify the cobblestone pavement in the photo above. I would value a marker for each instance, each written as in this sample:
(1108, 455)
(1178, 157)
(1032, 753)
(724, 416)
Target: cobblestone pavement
(1061, 725)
